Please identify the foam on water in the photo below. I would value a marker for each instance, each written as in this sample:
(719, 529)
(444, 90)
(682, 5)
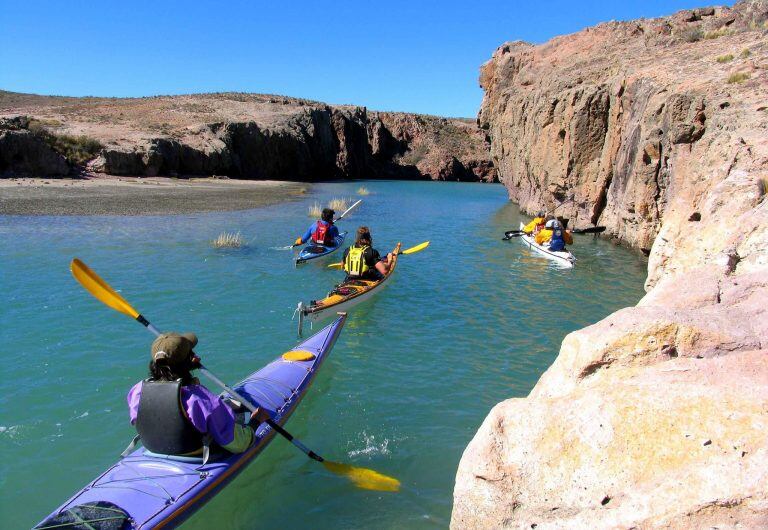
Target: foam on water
(371, 446)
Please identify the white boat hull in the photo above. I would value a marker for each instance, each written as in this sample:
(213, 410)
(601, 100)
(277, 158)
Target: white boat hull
(563, 257)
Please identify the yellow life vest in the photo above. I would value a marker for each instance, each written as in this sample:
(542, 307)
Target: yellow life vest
(543, 236)
(530, 227)
(354, 263)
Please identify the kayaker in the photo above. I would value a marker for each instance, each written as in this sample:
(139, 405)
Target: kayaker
(362, 261)
(554, 234)
(175, 414)
(535, 225)
(322, 231)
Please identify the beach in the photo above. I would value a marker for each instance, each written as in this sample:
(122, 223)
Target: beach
(109, 195)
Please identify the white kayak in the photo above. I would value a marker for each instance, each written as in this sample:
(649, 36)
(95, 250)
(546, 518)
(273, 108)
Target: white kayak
(563, 257)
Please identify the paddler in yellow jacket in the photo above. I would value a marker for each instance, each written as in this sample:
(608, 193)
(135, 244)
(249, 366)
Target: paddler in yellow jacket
(535, 225)
(362, 261)
(554, 234)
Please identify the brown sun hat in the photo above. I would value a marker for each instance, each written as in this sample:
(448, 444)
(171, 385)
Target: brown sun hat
(174, 348)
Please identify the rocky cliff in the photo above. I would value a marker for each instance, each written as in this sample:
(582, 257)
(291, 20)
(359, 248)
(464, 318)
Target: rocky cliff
(248, 136)
(656, 416)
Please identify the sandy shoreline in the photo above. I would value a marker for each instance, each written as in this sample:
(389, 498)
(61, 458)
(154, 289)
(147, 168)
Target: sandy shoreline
(108, 195)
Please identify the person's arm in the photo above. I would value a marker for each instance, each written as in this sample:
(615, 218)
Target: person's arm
(568, 237)
(530, 226)
(243, 434)
(209, 414)
(307, 235)
(374, 260)
(134, 397)
(334, 231)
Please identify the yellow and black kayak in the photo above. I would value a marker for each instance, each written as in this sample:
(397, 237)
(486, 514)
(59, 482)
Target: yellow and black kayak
(344, 296)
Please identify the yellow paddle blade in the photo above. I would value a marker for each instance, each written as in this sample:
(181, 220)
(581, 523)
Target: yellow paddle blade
(364, 478)
(417, 248)
(335, 265)
(100, 289)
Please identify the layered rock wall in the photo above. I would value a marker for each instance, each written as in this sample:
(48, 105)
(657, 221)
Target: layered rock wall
(656, 416)
(253, 137)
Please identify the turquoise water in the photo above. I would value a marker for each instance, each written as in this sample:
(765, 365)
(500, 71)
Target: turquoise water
(461, 326)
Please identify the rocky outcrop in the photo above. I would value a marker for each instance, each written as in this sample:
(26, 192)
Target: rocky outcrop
(655, 416)
(25, 153)
(262, 137)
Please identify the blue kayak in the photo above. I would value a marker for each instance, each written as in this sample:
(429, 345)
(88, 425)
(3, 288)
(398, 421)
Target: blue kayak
(315, 251)
(147, 490)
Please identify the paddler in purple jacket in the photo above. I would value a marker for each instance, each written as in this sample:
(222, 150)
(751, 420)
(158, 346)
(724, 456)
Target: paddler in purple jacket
(174, 414)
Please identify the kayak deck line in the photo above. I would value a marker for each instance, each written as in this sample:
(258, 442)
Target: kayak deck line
(162, 491)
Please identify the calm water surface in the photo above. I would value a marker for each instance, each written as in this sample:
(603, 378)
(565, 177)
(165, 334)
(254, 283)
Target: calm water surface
(463, 325)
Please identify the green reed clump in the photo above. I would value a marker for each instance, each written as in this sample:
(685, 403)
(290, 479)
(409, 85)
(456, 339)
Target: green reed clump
(315, 209)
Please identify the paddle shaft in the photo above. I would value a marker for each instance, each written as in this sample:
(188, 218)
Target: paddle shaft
(250, 406)
(509, 234)
(559, 205)
(339, 218)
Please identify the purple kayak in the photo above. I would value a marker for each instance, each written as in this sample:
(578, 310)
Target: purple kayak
(147, 490)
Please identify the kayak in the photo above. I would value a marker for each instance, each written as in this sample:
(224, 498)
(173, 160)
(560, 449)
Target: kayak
(314, 251)
(148, 490)
(344, 296)
(563, 257)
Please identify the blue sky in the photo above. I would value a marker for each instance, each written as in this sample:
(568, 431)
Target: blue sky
(413, 56)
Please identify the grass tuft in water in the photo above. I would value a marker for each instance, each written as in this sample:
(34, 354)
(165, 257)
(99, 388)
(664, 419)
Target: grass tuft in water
(339, 204)
(315, 210)
(228, 240)
(363, 191)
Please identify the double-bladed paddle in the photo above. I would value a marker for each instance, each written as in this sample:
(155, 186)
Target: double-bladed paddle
(509, 234)
(102, 291)
(412, 250)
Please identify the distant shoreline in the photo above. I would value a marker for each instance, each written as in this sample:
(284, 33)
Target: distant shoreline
(110, 195)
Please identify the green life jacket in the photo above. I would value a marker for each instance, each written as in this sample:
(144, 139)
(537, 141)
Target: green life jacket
(354, 263)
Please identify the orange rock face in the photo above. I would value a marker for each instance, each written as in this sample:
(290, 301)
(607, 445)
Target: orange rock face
(656, 416)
